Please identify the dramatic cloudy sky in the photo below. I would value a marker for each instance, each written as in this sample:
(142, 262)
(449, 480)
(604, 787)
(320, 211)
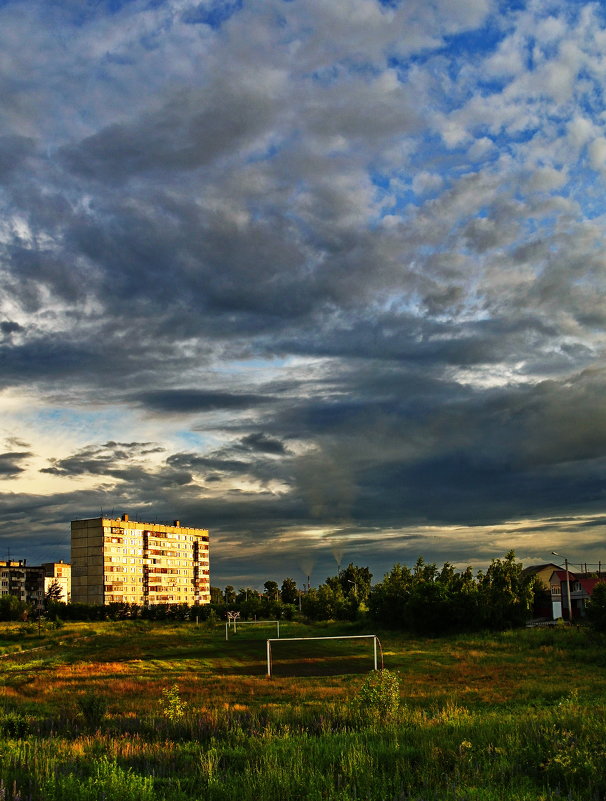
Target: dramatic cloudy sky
(324, 277)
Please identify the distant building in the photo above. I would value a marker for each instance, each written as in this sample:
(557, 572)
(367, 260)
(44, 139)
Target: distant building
(122, 560)
(554, 603)
(61, 573)
(23, 581)
(542, 572)
(581, 588)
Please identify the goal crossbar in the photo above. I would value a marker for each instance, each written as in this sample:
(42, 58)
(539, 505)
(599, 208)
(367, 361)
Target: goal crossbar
(372, 637)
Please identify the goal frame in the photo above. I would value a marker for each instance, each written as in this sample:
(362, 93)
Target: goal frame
(372, 637)
(236, 623)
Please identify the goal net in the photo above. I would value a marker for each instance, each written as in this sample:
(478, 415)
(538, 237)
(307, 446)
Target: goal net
(297, 656)
(238, 627)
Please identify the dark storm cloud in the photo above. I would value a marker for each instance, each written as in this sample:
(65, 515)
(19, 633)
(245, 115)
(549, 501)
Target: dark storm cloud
(175, 401)
(262, 443)
(45, 359)
(13, 152)
(117, 460)
(11, 463)
(8, 327)
(192, 130)
(212, 463)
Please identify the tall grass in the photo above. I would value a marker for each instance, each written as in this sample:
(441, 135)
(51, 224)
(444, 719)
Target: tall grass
(183, 742)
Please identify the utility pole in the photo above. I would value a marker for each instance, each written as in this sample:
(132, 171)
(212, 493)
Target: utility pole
(567, 585)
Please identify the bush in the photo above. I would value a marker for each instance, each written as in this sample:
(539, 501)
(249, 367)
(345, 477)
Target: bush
(174, 707)
(12, 608)
(379, 697)
(14, 725)
(93, 708)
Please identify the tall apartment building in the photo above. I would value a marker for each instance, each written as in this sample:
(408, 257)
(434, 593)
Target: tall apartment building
(144, 563)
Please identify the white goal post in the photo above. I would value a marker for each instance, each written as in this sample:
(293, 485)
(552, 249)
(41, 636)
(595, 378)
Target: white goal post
(236, 623)
(372, 637)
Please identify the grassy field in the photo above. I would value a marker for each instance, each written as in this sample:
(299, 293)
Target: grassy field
(173, 711)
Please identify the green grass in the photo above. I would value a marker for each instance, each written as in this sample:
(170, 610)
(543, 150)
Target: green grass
(173, 712)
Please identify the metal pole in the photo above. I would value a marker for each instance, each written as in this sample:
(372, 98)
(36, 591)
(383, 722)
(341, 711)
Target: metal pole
(278, 623)
(226, 627)
(268, 659)
(568, 590)
(375, 650)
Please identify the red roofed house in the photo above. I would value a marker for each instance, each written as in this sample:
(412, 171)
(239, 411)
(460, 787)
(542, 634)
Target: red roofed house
(581, 589)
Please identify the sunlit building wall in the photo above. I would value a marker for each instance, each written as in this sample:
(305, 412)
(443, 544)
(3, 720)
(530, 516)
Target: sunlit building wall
(122, 560)
(58, 573)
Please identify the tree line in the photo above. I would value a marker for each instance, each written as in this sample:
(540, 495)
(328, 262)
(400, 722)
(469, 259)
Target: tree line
(422, 599)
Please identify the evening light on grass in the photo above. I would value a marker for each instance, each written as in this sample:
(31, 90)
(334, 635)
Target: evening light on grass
(181, 714)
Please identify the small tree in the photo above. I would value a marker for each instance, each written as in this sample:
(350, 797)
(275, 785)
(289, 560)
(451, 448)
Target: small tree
(54, 592)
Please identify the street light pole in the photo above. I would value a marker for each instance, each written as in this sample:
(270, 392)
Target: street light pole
(567, 585)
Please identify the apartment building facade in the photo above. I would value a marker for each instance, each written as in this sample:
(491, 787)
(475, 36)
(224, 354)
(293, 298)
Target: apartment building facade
(122, 560)
(25, 582)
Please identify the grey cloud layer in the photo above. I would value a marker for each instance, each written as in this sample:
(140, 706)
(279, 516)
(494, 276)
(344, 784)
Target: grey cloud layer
(351, 186)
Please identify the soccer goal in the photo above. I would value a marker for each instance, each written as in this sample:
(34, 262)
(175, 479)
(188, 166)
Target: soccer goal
(375, 645)
(235, 625)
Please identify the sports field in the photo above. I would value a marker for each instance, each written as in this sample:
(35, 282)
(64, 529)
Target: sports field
(176, 712)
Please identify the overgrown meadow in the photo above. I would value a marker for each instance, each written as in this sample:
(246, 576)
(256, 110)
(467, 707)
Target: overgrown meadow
(153, 711)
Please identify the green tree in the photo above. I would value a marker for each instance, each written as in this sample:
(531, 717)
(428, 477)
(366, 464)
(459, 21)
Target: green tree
(289, 592)
(352, 579)
(271, 590)
(229, 595)
(249, 603)
(505, 594)
(12, 608)
(325, 603)
(596, 607)
(54, 592)
(216, 596)
(388, 599)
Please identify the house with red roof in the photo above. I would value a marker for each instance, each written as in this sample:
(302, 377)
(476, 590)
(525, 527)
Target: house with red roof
(580, 590)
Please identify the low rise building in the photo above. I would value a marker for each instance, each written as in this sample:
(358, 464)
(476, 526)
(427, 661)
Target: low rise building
(553, 603)
(580, 589)
(122, 560)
